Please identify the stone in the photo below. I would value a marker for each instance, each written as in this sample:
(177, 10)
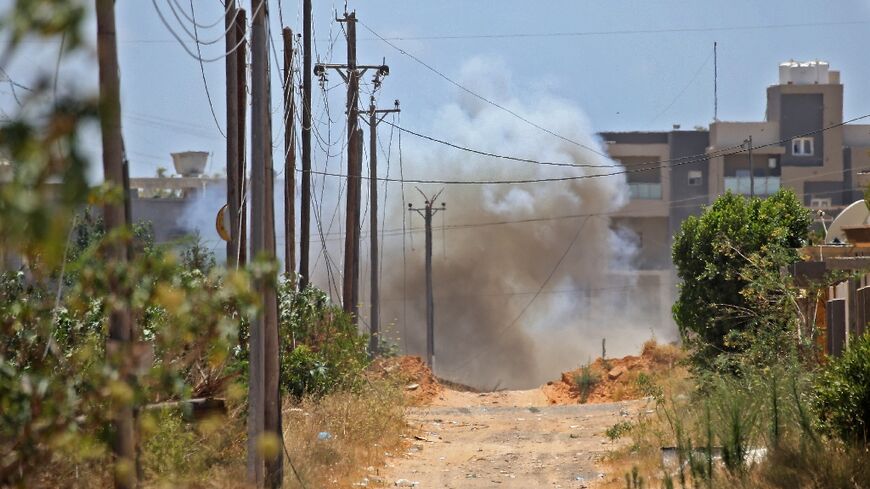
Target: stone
(616, 372)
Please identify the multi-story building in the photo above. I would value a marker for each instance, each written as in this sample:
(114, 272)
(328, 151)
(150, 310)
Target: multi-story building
(803, 144)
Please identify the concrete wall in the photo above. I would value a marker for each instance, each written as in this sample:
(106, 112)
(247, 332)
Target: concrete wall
(686, 200)
(791, 103)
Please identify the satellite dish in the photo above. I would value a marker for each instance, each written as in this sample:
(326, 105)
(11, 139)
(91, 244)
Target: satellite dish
(856, 214)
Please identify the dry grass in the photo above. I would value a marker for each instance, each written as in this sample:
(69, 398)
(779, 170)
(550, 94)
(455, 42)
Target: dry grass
(210, 454)
(361, 427)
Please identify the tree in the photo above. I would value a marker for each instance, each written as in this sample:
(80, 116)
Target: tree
(712, 252)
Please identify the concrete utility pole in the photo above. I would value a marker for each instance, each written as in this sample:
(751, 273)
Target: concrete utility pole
(241, 217)
(427, 212)
(351, 73)
(375, 117)
(120, 325)
(264, 401)
(232, 133)
(305, 214)
(289, 156)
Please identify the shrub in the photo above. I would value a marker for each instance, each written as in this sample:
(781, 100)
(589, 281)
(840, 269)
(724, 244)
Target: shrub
(842, 394)
(710, 253)
(585, 381)
(322, 349)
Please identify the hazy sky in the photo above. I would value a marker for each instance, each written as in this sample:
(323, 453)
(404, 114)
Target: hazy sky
(641, 65)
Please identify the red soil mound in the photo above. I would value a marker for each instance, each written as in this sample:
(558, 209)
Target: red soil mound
(613, 379)
(419, 383)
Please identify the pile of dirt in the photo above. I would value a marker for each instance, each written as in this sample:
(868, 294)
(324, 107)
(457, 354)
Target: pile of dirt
(615, 379)
(419, 384)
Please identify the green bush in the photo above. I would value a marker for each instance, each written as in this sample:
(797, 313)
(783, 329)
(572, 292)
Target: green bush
(585, 381)
(322, 348)
(842, 393)
(711, 253)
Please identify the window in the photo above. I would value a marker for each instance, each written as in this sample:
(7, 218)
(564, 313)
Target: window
(695, 178)
(771, 163)
(816, 203)
(802, 146)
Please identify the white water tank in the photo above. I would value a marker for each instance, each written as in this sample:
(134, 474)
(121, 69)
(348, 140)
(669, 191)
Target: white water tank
(190, 163)
(804, 73)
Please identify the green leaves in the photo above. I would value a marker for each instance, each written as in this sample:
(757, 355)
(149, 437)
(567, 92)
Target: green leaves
(842, 393)
(719, 253)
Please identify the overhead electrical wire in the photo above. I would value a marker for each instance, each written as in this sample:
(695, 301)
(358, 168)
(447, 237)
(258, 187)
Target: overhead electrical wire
(183, 44)
(194, 35)
(683, 91)
(479, 96)
(192, 19)
(676, 30)
(202, 71)
(742, 149)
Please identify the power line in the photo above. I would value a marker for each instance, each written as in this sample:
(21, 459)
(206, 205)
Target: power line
(530, 35)
(534, 297)
(202, 70)
(183, 44)
(192, 19)
(495, 155)
(741, 149)
(683, 91)
(479, 96)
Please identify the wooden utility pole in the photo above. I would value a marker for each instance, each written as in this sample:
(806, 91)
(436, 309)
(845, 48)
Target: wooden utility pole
(271, 337)
(242, 176)
(114, 216)
(233, 162)
(289, 156)
(427, 212)
(351, 73)
(375, 117)
(305, 214)
(354, 170)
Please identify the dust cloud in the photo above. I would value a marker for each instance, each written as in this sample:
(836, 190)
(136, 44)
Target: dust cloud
(496, 324)
(528, 278)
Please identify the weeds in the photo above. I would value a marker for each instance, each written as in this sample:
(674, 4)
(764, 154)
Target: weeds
(619, 430)
(585, 381)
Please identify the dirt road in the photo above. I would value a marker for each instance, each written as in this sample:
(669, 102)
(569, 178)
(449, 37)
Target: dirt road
(510, 439)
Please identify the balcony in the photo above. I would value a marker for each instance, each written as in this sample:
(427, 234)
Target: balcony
(741, 185)
(645, 191)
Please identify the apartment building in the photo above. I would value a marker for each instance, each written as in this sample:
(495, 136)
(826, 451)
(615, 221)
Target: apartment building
(802, 144)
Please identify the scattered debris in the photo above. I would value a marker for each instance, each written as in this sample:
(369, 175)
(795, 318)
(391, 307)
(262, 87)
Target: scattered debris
(324, 435)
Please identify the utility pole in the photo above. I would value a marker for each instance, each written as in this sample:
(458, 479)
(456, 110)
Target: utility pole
(263, 336)
(375, 117)
(232, 133)
(114, 215)
(242, 187)
(289, 156)
(748, 142)
(305, 214)
(271, 338)
(427, 212)
(351, 240)
(351, 73)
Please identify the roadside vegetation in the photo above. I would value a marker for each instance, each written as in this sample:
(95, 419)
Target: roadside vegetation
(763, 408)
(62, 380)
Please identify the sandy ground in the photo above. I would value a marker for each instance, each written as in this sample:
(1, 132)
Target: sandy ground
(509, 439)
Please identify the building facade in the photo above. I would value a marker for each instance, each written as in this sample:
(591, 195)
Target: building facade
(802, 144)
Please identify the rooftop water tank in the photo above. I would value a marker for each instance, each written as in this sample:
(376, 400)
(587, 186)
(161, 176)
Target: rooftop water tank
(804, 73)
(190, 163)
